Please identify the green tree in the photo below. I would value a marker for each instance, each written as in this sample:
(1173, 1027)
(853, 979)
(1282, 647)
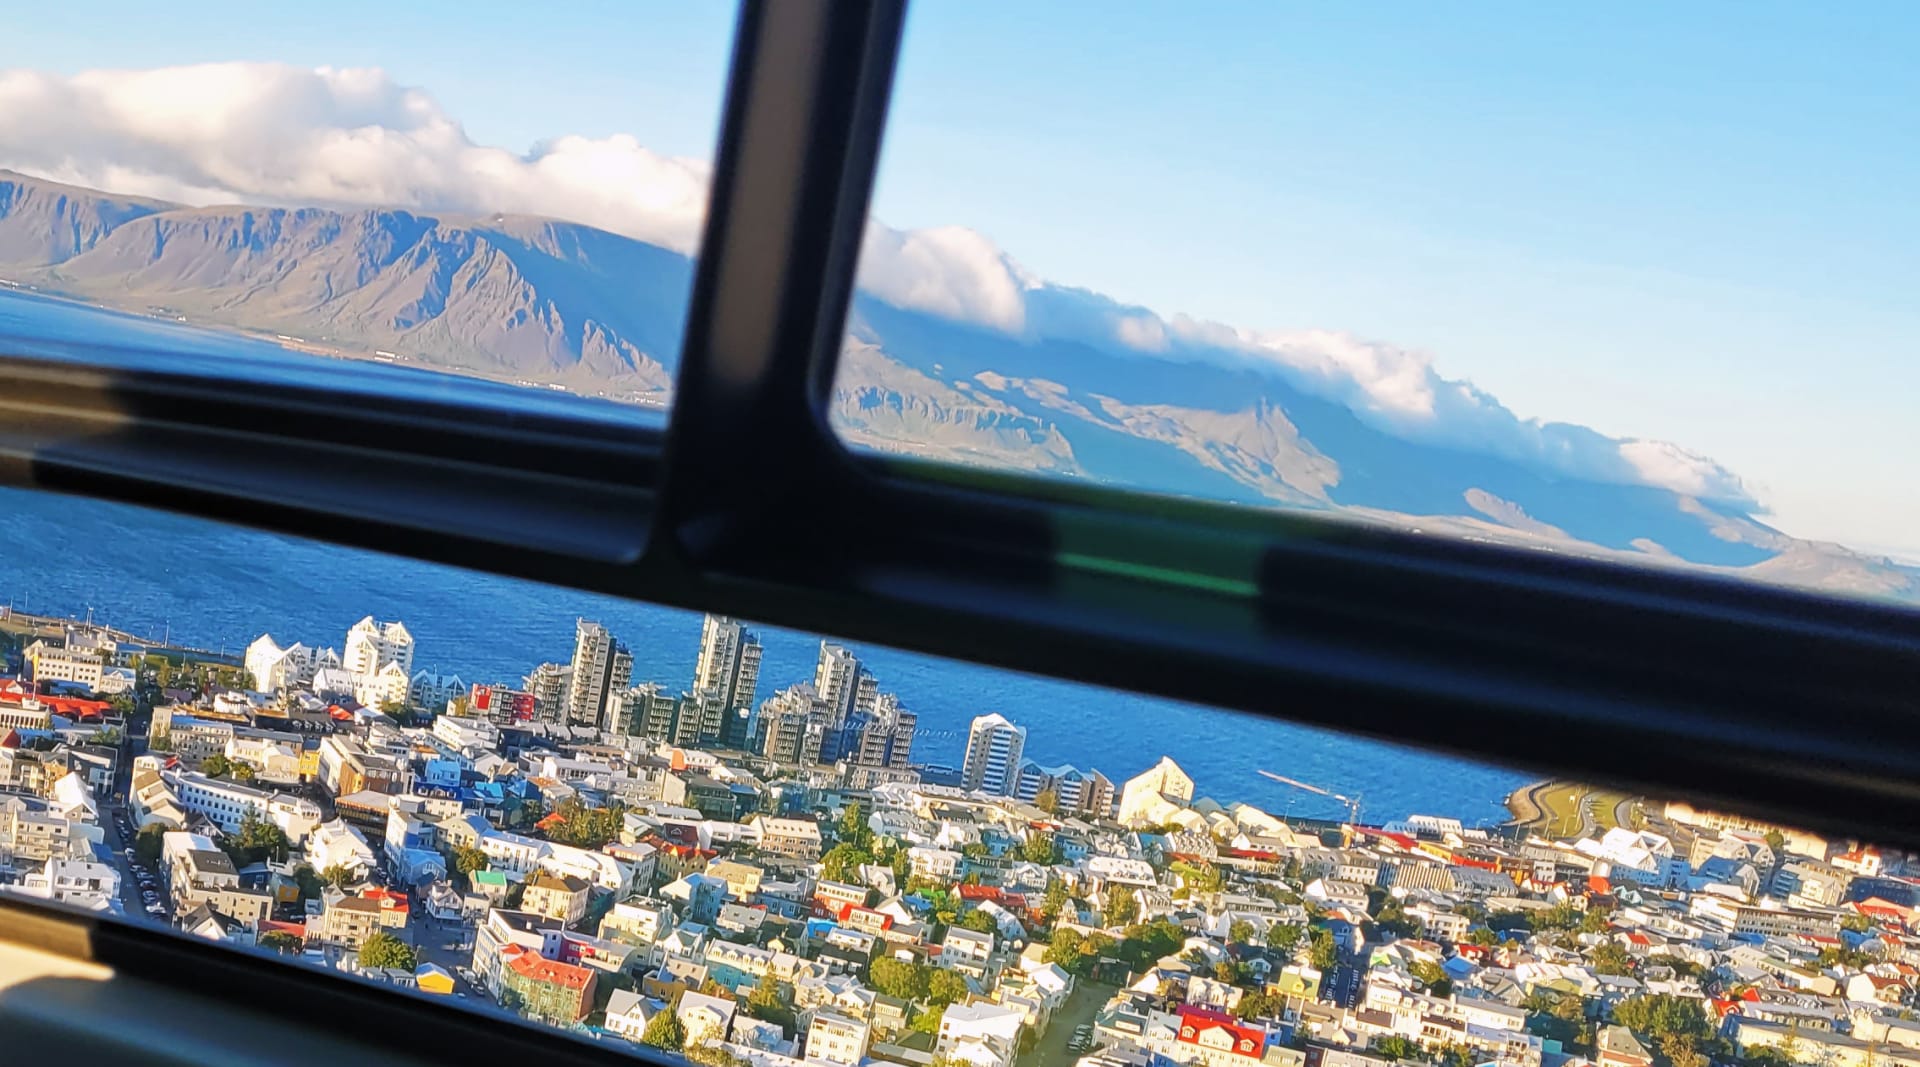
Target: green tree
(1555, 1016)
(1392, 915)
(1452, 1055)
(1395, 1047)
(898, 978)
(1608, 957)
(148, 842)
(585, 827)
(215, 765)
(282, 942)
(1680, 1050)
(384, 950)
(1660, 1014)
(1595, 921)
(768, 1002)
(468, 859)
(1055, 900)
(1077, 953)
(1858, 922)
(1322, 952)
(978, 921)
(311, 885)
(1432, 976)
(927, 1022)
(1143, 943)
(1285, 937)
(843, 861)
(1242, 932)
(1255, 1004)
(945, 987)
(256, 840)
(664, 1031)
(1121, 908)
(1776, 841)
(975, 851)
(338, 876)
(853, 829)
(241, 772)
(1040, 848)
(1048, 800)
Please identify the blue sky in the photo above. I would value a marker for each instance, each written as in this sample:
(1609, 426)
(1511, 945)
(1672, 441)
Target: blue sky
(1693, 223)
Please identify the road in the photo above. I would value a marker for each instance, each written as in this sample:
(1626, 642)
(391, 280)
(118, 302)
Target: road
(1082, 1005)
(430, 939)
(117, 844)
(1342, 987)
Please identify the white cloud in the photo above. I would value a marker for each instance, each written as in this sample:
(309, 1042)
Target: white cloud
(1143, 333)
(950, 271)
(276, 134)
(268, 133)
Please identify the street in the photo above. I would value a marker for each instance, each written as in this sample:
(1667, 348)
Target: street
(1081, 1006)
(1342, 986)
(117, 844)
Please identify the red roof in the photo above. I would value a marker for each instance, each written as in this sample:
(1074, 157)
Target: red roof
(386, 898)
(298, 930)
(979, 892)
(1597, 884)
(538, 968)
(1196, 1024)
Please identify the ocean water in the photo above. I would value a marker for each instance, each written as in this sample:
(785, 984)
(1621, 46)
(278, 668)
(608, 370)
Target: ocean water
(220, 587)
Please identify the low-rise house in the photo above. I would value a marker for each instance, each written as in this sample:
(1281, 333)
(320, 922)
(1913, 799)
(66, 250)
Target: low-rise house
(562, 898)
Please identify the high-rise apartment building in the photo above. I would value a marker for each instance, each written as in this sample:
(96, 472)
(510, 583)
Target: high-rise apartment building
(844, 686)
(886, 737)
(372, 645)
(602, 669)
(994, 748)
(648, 710)
(792, 725)
(729, 664)
(549, 684)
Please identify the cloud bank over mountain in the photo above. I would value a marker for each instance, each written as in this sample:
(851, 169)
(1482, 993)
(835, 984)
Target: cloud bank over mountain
(274, 134)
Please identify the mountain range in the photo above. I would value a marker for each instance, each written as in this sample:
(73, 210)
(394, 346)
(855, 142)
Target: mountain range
(546, 302)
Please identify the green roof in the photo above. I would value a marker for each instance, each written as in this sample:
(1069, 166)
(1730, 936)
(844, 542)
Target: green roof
(488, 878)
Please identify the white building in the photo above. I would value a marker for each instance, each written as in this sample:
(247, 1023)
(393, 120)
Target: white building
(373, 645)
(1147, 797)
(273, 668)
(994, 748)
(980, 1034)
(57, 663)
(464, 732)
(389, 684)
(837, 1039)
(339, 844)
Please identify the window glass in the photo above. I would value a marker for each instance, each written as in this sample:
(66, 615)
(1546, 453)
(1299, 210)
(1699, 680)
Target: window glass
(510, 194)
(1626, 283)
(750, 844)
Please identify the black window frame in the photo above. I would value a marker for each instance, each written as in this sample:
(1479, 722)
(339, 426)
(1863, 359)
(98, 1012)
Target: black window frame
(1771, 701)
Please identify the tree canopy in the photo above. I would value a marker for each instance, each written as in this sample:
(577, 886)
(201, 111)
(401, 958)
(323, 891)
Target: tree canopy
(664, 1031)
(385, 950)
(257, 839)
(576, 824)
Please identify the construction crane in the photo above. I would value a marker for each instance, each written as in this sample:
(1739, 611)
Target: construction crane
(1352, 803)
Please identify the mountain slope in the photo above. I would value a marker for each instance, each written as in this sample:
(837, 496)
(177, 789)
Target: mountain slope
(46, 222)
(537, 300)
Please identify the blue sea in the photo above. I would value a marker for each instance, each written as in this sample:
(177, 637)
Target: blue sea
(220, 587)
